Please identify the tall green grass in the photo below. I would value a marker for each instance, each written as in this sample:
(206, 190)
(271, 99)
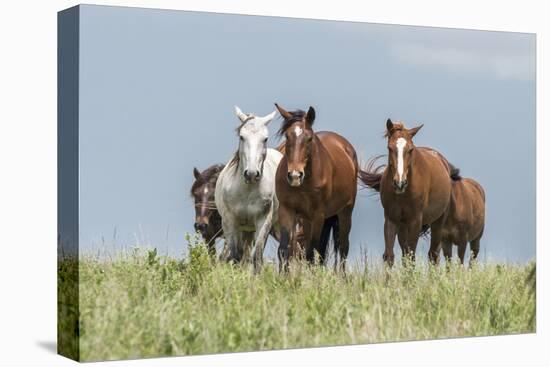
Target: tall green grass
(142, 305)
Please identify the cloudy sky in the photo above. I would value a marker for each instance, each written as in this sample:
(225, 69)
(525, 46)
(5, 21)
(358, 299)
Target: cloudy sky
(157, 91)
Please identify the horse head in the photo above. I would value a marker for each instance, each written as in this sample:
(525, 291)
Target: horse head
(253, 134)
(400, 153)
(202, 191)
(298, 132)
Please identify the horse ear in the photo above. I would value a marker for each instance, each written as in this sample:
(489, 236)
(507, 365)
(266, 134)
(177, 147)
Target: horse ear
(310, 116)
(267, 119)
(389, 125)
(414, 130)
(240, 114)
(196, 173)
(286, 115)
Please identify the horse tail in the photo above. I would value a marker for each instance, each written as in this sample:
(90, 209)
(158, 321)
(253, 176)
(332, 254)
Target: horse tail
(425, 231)
(336, 233)
(454, 172)
(371, 176)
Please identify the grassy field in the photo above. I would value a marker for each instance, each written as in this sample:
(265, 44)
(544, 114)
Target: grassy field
(140, 305)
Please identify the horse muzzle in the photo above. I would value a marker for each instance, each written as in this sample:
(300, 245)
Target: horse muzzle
(400, 186)
(295, 178)
(201, 227)
(251, 176)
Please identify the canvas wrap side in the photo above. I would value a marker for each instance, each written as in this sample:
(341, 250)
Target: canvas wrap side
(67, 183)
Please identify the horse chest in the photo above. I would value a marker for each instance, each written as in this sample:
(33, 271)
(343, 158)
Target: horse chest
(248, 205)
(398, 208)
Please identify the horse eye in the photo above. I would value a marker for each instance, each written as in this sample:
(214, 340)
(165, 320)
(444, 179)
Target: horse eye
(265, 140)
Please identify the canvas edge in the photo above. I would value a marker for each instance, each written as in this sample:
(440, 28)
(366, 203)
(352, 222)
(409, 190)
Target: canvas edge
(68, 34)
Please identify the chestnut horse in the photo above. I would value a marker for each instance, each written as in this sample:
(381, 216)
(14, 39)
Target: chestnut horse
(207, 218)
(415, 190)
(316, 185)
(466, 219)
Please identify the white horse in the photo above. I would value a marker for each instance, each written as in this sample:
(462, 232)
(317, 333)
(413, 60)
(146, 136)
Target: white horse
(245, 191)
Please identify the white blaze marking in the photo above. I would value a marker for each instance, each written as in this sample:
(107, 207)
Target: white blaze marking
(205, 190)
(401, 143)
(298, 131)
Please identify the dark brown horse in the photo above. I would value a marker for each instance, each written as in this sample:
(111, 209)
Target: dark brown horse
(316, 185)
(207, 219)
(466, 219)
(415, 190)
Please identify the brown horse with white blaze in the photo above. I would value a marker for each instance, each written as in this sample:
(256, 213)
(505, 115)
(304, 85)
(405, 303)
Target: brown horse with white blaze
(415, 191)
(466, 219)
(316, 184)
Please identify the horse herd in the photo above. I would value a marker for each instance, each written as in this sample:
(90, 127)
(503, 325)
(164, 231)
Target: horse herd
(304, 191)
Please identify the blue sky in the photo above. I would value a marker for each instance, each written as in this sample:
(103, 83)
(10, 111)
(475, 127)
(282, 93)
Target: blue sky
(157, 90)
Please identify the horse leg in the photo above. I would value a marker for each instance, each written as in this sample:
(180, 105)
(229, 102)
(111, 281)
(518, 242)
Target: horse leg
(462, 250)
(402, 234)
(435, 241)
(247, 241)
(231, 248)
(448, 251)
(234, 252)
(474, 248)
(287, 222)
(390, 231)
(235, 246)
(263, 227)
(413, 233)
(325, 237)
(448, 254)
(312, 234)
(224, 254)
(344, 223)
(336, 240)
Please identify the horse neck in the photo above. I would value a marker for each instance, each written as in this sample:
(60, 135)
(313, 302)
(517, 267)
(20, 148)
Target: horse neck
(318, 160)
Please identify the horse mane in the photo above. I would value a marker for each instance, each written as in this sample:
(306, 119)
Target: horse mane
(371, 176)
(235, 160)
(397, 126)
(297, 115)
(207, 175)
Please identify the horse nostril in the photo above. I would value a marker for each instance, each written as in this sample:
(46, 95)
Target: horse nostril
(300, 175)
(405, 183)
